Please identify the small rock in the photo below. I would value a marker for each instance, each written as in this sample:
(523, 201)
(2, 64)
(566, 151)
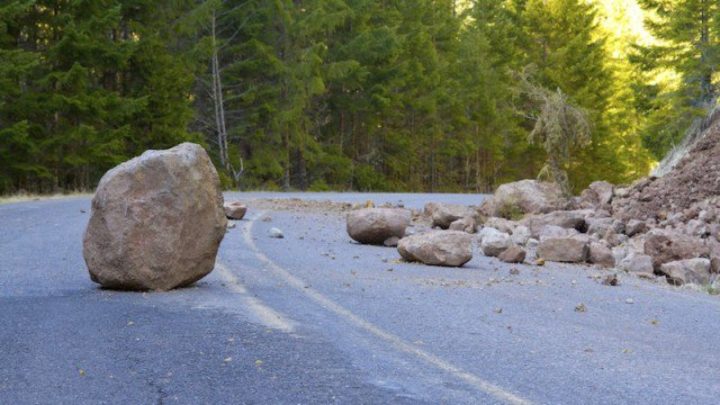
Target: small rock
(580, 308)
(231, 225)
(276, 233)
(235, 210)
(611, 280)
(634, 227)
(513, 254)
(391, 241)
(540, 262)
(629, 301)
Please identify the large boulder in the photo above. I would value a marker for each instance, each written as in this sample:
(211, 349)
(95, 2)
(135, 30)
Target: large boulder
(493, 242)
(601, 255)
(438, 248)
(681, 272)
(374, 226)
(572, 249)
(157, 221)
(524, 197)
(445, 214)
(666, 246)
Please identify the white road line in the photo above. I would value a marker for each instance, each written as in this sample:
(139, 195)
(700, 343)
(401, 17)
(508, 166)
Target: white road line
(395, 341)
(268, 316)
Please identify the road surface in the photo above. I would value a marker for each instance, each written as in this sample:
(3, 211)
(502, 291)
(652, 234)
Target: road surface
(315, 318)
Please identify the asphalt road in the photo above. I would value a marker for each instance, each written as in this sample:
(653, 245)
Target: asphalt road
(315, 318)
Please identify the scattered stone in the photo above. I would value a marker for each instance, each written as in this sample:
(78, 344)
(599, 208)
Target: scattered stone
(441, 248)
(696, 271)
(540, 261)
(580, 308)
(276, 233)
(493, 242)
(532, 243)
(629, 301)
(514, 271)
(231, 225)
(573, 249)
(391, 241)
(611, 280)
(637, 263)
(524, 197)
(266, 218)
(601, 255)
(465, 224)
(157, 221)
(513, 254)
(235, 210)
(375, 225)
(445, 214)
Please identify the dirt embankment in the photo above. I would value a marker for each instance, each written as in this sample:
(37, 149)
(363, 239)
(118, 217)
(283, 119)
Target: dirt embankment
(693, 181)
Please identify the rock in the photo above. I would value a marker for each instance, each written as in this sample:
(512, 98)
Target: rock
(513, 254)
(532, 243)
(601, 226)
(276, 233)
(445, 214)
(429, 209)
(598, 195)
(681, 272)
(440, 248)
(235, 210)
(391, 241)
(521, 235)
(375, 225)
(501, 224)
(465, 224)
(666, 246)
(715, 265)
(572, 249)
(493, 242)
(563, 219)
(637, 263)
(614, 239)
(524, 197)
(157, 221)
(601, 255)
(553, 231)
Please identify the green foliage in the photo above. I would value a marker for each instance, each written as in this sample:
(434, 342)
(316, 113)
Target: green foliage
(342, 94)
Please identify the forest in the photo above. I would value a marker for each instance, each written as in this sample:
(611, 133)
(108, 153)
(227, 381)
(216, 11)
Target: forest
(383, 95)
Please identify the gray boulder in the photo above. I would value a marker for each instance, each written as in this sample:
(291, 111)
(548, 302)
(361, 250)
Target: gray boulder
(493, 242)
(513, 254)
(598, 195)
(157, 221)
(374, 226)
(501, 224)
(696, 271)
(601, 255)
(563, 219)
(521, 235)
(445, 214)
(666, 246)
(572, 249)
(524, 197)
(465, 224)
(438, 248)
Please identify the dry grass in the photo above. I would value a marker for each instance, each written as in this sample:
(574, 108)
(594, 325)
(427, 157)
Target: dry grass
(23, 197)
